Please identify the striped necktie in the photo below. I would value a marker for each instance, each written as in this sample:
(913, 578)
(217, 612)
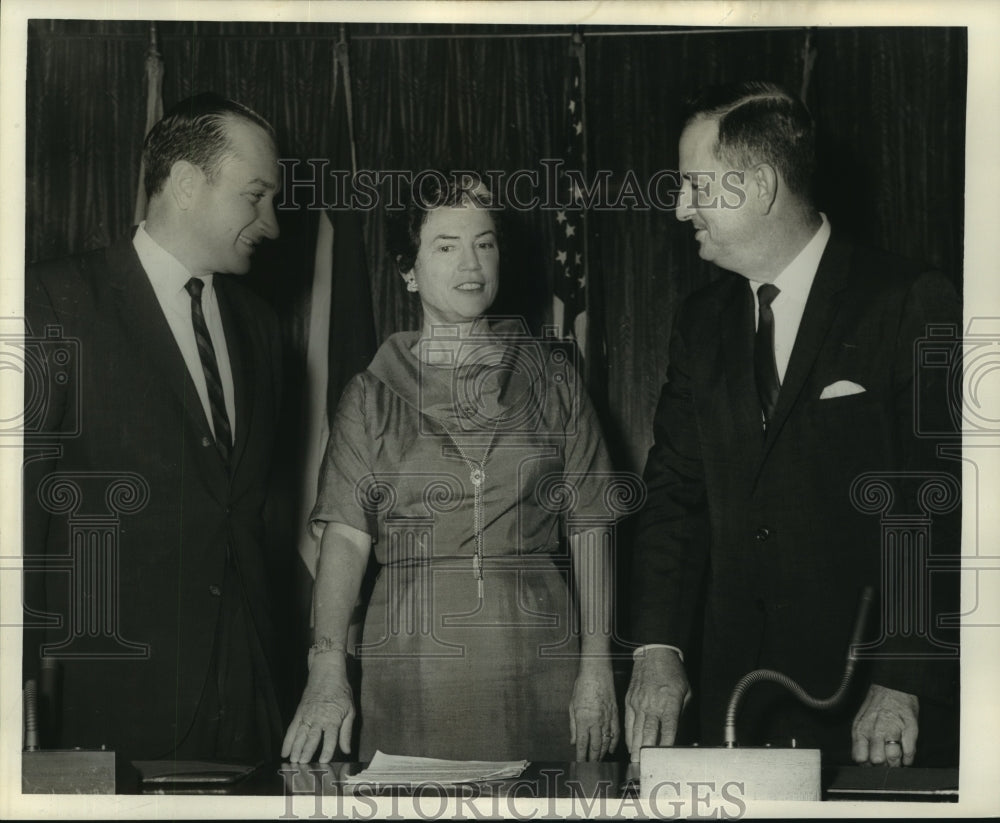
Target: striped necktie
(765, 367)
(206, 351)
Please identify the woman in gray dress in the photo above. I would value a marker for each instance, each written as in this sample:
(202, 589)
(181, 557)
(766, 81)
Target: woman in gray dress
(467, 457)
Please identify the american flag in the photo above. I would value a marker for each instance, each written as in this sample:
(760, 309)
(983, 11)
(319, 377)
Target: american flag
(570, 286)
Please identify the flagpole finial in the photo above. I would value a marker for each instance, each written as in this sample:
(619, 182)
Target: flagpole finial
(341, 46)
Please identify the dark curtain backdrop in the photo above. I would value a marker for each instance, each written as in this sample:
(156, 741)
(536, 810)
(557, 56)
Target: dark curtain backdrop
(889, 103)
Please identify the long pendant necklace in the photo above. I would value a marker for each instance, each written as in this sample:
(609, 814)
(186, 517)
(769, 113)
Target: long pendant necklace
(477, 474)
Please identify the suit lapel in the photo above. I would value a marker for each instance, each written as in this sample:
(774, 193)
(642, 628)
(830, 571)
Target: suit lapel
(821, 308)
(736, 334)
(142, 317)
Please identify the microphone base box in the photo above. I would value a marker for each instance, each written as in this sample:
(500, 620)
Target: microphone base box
(752, 773)
(68, 771)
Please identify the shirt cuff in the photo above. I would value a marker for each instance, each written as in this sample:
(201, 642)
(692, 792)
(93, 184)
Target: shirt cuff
(642, 650)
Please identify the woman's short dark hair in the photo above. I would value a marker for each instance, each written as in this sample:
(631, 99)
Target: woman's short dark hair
(194, 130)
(428, 190)
(760, 122)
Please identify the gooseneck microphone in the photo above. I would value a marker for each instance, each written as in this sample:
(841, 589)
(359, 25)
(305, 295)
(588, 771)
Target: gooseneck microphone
(761, 675)
(31, 716)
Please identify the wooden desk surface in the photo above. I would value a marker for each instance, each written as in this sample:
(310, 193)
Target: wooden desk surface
(611, 780)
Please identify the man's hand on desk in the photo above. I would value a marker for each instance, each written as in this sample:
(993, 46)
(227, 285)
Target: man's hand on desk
(885, 728)
(656, 696)
(326, 711)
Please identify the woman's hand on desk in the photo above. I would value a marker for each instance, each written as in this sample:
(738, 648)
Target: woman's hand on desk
(593, 710)
(326, 711)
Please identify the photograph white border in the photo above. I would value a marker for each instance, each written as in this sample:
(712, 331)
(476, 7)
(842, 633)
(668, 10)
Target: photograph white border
(979, 791)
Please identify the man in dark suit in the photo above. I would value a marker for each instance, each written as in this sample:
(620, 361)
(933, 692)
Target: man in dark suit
(789, 380)
(160, 622)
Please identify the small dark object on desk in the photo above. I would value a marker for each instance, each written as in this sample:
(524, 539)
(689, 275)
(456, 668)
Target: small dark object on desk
(170, 772)
(885, 783)
(68, 771)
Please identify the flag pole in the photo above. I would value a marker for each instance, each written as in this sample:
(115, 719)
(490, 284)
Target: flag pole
(331, 287)
(154, 112)
(317, 332)
(344, 62)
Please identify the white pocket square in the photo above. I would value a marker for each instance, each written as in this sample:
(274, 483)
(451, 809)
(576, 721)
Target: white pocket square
(842, 388)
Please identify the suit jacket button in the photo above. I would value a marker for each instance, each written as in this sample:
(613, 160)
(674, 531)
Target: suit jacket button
(763, 533)
(206, 442)
(214, 590)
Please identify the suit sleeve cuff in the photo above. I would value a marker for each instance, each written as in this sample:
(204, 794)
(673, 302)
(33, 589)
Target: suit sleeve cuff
(639, 652)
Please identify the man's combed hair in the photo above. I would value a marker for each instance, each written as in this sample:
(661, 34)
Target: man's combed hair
(193, 130)
(432, 189)
(760, 122)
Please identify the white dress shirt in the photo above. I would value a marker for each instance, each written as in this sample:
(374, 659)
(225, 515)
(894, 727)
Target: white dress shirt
(168, 276)
(794, 284)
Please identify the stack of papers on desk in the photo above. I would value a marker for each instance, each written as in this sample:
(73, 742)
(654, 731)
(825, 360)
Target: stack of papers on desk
(394, 769)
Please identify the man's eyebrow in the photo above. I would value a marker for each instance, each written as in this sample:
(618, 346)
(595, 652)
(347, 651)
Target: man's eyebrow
(260, 181)
(456, 237)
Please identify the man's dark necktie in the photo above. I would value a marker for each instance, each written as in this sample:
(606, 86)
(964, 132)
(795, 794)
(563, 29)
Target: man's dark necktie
(765, 367)
(206, 351)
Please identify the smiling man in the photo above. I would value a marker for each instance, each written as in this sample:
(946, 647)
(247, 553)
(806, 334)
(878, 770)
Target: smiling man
(178, 384)
(788, 381)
